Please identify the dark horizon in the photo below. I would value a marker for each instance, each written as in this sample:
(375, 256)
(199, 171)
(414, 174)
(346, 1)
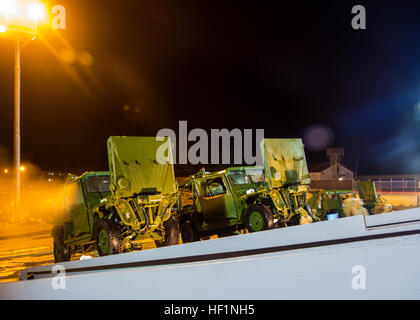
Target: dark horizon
(296, 70)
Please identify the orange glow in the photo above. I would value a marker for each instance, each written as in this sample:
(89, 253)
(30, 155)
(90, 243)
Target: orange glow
(33, 10)
(21, 16)
(6, 171)
(39, 198)
(22, 168)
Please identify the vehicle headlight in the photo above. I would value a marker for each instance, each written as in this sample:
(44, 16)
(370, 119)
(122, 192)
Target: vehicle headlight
(126, 212)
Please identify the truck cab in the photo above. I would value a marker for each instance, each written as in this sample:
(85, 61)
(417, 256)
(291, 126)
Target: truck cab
(247, 198)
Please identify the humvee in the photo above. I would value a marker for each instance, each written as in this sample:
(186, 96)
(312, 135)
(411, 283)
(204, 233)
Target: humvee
(250, 198)
(114, 211)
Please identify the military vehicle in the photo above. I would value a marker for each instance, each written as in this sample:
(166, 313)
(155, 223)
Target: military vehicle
(250, 198)
(114, 211)
(373, 202)
(324, 203)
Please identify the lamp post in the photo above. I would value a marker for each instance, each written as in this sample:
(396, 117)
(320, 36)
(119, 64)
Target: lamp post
(16, 137)
(18, 22)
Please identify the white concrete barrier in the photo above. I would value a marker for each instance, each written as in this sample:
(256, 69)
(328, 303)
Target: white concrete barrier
(358, 258)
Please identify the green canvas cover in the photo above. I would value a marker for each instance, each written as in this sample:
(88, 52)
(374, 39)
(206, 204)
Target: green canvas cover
(134, 168)
(367, 191)
(284, 162)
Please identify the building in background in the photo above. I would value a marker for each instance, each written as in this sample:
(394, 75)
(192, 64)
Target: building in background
(331, 175)
(324, 171)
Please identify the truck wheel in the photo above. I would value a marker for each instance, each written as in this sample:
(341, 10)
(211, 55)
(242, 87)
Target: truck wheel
(188, 233)
(108, 238)
(171, 233)
(258, 218)
(61, 252)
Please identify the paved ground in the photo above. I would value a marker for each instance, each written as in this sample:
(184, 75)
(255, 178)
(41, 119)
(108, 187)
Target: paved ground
(23, 246)
(28, 245)
(401, 201)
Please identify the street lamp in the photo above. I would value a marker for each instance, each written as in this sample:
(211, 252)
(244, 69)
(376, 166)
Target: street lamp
(36, 11)
(18, 22)
(8, 7)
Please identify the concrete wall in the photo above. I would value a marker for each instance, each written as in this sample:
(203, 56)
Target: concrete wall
(332, 184)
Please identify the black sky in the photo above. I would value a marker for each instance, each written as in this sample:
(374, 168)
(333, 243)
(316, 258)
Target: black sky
(283, 66)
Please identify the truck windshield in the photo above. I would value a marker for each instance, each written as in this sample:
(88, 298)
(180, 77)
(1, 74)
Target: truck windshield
(98, 184)
(247, 176)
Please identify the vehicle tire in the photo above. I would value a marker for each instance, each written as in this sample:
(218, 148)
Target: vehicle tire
(188, 232)
(171, 233)
(371, 211)
(108, 238)
(259, 217)
(61, 252)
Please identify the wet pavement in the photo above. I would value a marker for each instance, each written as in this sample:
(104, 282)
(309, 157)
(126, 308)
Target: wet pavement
(28, 245)
(23, 246)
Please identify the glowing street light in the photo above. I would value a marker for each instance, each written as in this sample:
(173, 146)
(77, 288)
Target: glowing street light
(18, 21)
(21, 16)
(8, 7)
(36, 11)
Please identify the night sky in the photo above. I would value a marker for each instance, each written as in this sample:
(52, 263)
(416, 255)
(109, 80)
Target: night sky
(134, 67)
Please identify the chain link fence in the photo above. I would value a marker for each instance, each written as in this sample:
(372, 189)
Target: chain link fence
(385, 185)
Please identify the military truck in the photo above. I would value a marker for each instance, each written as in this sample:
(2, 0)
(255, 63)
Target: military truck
(250, 198)
(114, 211)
